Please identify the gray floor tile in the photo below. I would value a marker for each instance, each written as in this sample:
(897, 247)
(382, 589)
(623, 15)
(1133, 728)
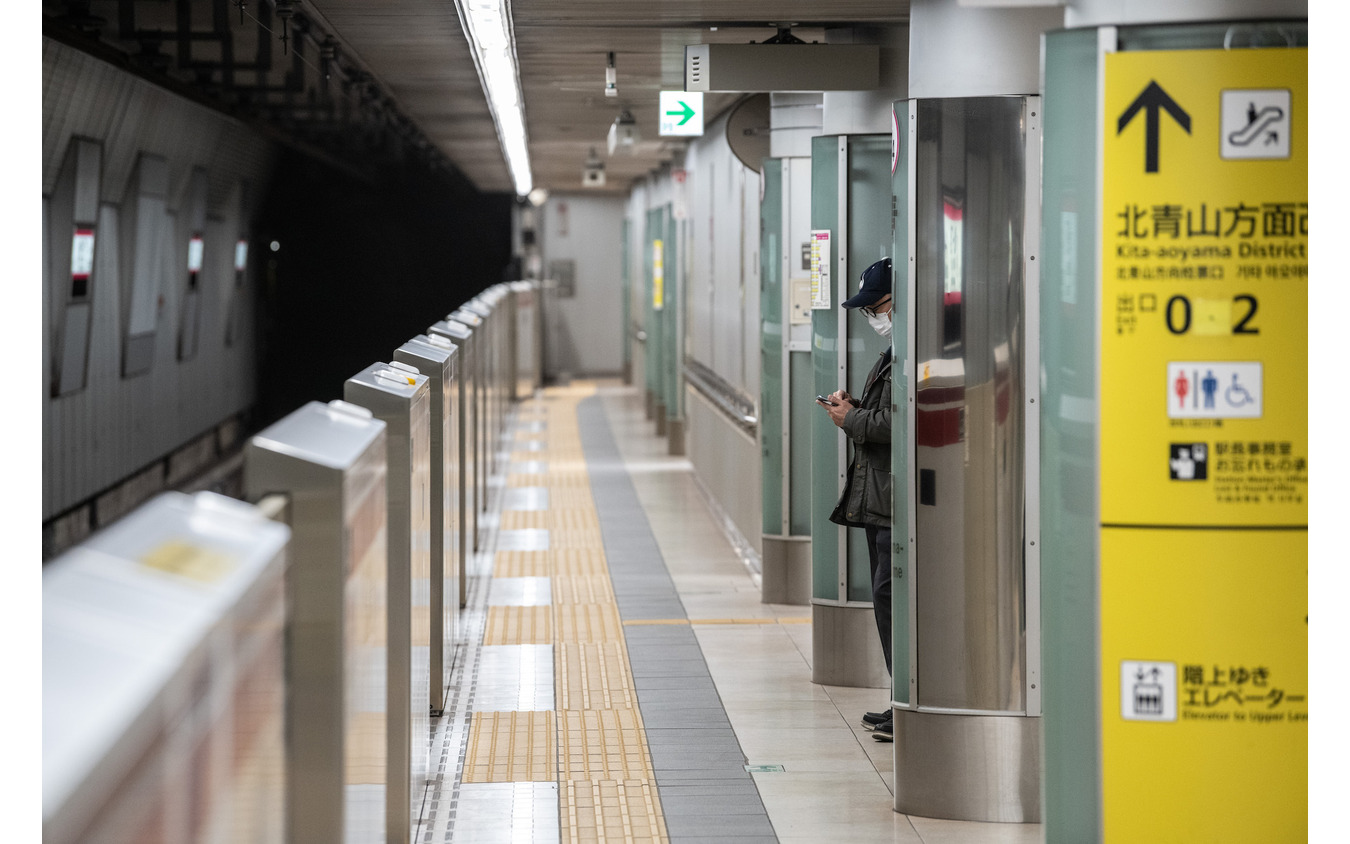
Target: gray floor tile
(711, 804)
(723, 826)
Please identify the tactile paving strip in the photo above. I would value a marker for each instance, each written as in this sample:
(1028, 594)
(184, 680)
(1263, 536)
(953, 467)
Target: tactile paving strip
(593, 675)
(525, 520)
(587, 623)
(607, 787)
(602, 744)
(582, 589)
(519, 626)
(511, 747)
(521, 564)
(610, 811)
(595, 741)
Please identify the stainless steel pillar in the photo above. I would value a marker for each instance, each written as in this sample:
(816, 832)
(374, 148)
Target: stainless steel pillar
(437, 358)
(967, 735)
(482, 421)
(162, 671)
(463, 336)
(399, 395)
(329, 459)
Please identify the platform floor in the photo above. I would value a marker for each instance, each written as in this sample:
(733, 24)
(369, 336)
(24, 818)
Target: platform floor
(619, 679)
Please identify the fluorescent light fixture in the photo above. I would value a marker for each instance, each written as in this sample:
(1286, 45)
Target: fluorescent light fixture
(487, 24)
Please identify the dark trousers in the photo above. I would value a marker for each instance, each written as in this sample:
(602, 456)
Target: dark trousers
(879, 555)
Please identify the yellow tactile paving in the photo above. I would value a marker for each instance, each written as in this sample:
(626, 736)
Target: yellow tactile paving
(528, 456)
(595, 740)
(520, 564)
(593, 675)
(602, 744)
(574, 518)
(525, 520)
(587, 623)
(606, 811)
(578, 562)
(519, 626)
(595, 589)
(366, 749)
(568, 485)
(587, 538)
(421, 630)
(511, 747)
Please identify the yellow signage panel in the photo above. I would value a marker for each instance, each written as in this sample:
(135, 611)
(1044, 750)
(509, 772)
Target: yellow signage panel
(1204, 445)
(1204, 687)
(1205, 288)
(658, 274)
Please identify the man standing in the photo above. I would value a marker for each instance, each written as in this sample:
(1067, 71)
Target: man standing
(866, 500)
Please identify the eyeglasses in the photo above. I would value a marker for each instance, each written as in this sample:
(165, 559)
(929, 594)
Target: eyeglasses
(872, 311)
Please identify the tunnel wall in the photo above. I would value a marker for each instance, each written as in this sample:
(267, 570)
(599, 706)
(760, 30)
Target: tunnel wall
(113, 427)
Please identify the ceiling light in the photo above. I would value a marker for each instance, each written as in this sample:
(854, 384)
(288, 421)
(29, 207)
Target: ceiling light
(611, 78)
(623, 134)
(487, 25)
(538, 197)
(593, 174)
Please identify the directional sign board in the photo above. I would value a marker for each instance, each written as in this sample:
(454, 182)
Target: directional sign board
(1204, 458)
(682, 113)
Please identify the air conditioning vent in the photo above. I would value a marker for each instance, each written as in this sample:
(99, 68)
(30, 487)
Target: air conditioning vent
(755, 68)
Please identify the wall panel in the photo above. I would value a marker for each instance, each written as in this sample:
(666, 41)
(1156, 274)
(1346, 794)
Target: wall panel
(584, 328)
(95, 438)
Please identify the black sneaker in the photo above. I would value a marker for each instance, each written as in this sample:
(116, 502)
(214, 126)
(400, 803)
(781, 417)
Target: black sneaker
(871, 719)
(885, 731)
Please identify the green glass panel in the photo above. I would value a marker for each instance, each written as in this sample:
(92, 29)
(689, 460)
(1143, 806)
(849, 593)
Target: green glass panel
(651, 357)
(772, 347)
(900, 444)
(1068, 472)
(801, 411)
(826, 480)
(626, 312)
(674, 302)
(869, 240)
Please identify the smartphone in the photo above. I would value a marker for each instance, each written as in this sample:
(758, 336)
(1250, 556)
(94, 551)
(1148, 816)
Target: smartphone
(824, 400)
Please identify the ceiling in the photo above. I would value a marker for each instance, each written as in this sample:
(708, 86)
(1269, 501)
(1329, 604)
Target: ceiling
(417, 51)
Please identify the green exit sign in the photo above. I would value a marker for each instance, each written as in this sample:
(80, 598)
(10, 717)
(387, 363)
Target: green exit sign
(681, 113)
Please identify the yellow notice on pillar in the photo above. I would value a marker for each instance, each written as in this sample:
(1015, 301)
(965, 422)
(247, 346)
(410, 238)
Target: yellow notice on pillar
(658, 274)
(1204, 445)
(1205, 288)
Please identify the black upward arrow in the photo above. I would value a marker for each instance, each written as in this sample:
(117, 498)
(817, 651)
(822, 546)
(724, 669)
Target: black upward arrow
(1152, 99)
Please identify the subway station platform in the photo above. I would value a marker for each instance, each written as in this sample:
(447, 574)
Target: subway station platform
(619, 678)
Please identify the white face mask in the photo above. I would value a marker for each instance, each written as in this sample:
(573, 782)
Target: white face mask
(880, 324)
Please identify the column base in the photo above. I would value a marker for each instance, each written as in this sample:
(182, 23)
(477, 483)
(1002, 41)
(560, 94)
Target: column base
(968, 767)
(845, 647)
(786, 575)
(675, 435)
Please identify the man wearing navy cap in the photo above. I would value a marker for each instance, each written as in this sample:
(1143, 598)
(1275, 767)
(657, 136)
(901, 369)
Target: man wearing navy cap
(866, 500)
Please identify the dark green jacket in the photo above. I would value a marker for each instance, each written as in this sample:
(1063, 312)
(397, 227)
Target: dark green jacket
(866, 499)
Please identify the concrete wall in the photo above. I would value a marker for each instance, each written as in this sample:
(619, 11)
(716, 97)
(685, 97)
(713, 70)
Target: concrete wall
(583, 331)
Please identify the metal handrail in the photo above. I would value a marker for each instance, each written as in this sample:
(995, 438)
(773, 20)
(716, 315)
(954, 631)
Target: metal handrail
(733, 403)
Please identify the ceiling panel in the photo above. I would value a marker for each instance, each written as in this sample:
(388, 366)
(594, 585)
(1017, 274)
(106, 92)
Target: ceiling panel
(418, 52)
